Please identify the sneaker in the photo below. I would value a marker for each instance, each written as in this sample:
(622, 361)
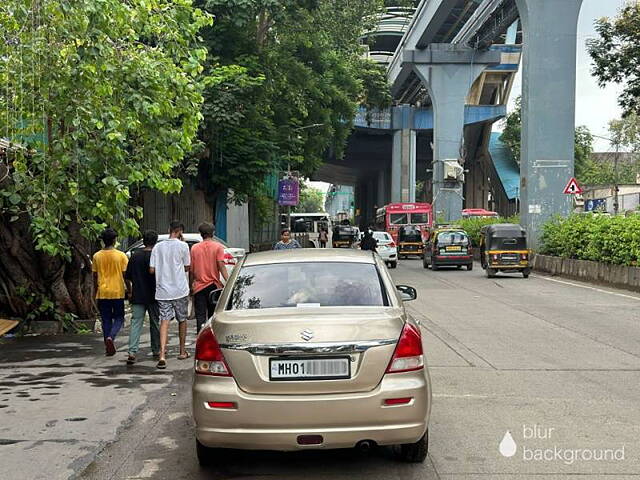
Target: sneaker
(111, 348)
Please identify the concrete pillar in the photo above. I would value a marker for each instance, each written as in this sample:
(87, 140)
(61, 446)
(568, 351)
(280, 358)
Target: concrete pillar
(403, 166)
(548, 109)
(381, 197)
(448, 72)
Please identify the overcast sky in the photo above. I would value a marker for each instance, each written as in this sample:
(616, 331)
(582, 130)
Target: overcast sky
(595, 106)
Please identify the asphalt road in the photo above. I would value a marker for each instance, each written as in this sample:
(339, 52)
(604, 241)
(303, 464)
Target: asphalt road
(554, 362)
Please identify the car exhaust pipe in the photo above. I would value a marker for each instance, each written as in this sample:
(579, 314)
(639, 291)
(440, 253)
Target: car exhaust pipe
(364, 446)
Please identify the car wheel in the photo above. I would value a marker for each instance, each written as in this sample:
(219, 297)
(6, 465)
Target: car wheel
(393, 264)
(434, 267)
(470, 266)
(526, 272)
(206, 456)
(491, 272)
(415, 452)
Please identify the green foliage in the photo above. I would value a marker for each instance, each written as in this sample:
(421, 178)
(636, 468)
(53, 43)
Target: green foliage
(583, 141)
(106, 95)
(311, 200)
(473, 225)
(599, 238)
(616, 57)
(296, 64)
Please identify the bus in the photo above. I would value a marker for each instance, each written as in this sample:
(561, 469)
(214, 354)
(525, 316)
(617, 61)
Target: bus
(311, 224)
(478, 213)
(393, 216)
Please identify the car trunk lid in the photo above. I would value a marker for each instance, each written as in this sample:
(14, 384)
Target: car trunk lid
(363, 338)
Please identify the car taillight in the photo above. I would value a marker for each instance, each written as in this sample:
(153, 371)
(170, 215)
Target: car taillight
(209, 357)
(495, 257)
(229, 259)
(408, 355)
(523, 256)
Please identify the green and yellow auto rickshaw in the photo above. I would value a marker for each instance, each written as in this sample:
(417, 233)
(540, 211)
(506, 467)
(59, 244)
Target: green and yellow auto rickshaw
(503, 248)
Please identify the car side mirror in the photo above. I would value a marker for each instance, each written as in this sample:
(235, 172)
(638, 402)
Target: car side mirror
(407, 293)
(214, 296)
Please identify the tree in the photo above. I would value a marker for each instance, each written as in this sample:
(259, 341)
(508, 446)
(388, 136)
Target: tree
(104, 99)
(512, 132)
(311, 200)
(616, 57)
(300, 64)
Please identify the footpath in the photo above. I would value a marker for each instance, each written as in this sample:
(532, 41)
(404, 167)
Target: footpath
(62, 401)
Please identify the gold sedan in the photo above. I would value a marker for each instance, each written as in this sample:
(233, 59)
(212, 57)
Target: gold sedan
(311, 349)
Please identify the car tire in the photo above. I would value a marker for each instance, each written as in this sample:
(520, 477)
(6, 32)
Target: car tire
(393, 264)
(206, 456)
(434, 267)
(526, 272)
(491, 272)
(470, 267)
(415, 452)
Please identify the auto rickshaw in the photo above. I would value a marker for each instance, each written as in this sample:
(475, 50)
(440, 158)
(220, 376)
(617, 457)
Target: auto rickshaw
(344, 236)
(410, 241)
(503, 248)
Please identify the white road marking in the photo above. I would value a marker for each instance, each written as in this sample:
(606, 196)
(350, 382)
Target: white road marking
(564, 282)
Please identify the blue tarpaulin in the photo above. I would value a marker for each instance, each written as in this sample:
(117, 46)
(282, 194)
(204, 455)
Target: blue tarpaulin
(505, 165)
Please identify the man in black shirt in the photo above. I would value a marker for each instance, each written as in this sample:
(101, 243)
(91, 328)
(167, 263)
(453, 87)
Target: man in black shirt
(142, 299)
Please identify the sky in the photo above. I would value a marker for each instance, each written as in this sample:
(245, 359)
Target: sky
(595, 106)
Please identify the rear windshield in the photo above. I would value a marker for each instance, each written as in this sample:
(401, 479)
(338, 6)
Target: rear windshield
(453, 238)
(508, 243)
(398, 218)
(419, 218)
(308, 284)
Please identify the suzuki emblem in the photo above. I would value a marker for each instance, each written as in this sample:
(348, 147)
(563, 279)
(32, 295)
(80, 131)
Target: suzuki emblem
(306, 335)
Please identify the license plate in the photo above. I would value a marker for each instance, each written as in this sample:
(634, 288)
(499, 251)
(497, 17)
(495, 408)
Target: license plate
(454, 248)
(310, 368)
(510, 258)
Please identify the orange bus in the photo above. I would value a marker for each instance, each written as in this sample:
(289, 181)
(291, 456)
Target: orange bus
(395, 215)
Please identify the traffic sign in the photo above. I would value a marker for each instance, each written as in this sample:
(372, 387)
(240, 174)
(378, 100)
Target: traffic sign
(572, 188)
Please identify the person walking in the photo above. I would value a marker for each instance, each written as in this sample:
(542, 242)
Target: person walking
(109, 266)
(169, 262)
(368, 242)
(286, 242)
(142, 287)
(323, 238)
(207, 264)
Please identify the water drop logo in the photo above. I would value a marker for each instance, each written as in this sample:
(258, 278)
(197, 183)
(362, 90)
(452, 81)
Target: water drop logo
(508, 446)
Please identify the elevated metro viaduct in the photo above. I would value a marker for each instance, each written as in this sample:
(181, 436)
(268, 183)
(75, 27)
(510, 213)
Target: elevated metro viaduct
(442, 61)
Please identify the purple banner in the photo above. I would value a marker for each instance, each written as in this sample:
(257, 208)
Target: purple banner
(288, 192)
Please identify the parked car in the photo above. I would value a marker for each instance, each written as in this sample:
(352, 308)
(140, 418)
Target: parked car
(231, 255)
(311, 349)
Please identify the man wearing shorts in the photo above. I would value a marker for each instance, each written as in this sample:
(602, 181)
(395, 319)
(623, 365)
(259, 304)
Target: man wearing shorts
(170, 261)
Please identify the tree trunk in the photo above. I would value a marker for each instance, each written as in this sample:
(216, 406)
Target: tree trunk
(28, 276)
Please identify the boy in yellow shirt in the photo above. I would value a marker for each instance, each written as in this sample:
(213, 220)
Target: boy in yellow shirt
(109, 266)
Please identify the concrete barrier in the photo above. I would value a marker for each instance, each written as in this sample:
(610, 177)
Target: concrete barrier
(603, 273)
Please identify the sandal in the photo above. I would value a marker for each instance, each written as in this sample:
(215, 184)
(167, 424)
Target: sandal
(162, 364)
(131, 359)
(184, 356)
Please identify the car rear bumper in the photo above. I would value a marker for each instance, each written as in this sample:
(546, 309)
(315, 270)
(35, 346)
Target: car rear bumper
(453, 260)
(274, 422)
